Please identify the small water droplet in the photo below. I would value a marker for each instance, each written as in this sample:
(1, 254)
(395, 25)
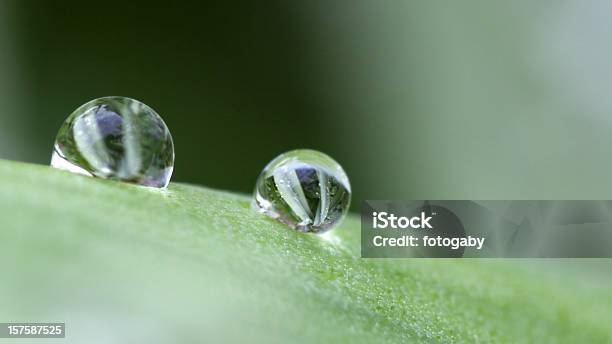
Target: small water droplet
(116, 138)
(304, 189)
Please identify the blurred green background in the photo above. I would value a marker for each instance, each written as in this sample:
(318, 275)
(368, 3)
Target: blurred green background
(416, 99)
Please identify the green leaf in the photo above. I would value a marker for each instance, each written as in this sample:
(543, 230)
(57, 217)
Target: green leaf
(123, 263)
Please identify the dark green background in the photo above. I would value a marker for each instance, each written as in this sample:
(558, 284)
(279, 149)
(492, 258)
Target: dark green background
(227, 79)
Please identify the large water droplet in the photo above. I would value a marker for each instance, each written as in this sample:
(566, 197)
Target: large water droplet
(116, 138)
(304, 189)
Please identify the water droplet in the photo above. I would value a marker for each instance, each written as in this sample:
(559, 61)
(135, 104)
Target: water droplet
(116, 138)
(304, 189)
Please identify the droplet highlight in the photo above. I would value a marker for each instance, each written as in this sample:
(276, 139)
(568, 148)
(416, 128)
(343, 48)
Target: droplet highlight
(304, 189)
(116, 138)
